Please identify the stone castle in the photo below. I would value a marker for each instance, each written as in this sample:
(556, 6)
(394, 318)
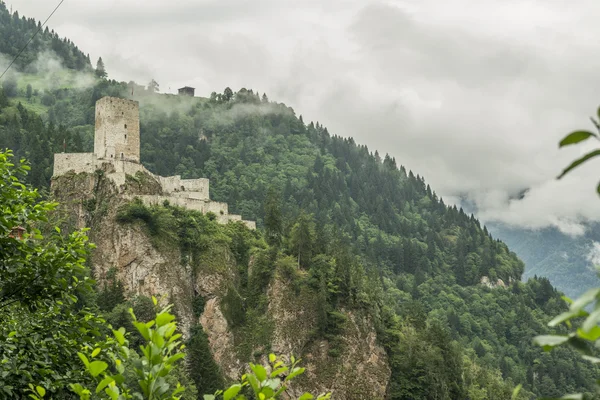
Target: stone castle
(117, 146)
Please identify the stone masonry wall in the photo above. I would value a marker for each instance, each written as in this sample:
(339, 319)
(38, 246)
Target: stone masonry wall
(117, 154)
(77, 162)
(117, 129)
(176, 185)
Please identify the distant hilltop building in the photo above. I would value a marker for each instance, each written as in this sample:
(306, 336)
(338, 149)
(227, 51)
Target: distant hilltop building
(117, 146)
(187, 91)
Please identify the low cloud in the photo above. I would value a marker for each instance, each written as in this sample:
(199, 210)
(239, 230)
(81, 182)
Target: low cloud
(474, 96)
(594, 254)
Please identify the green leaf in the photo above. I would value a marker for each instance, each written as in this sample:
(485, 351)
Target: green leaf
(594, 360)
(278, 371)
(41, 391)
(95, 352)
(578, 162)
(580, 345)
(306, 396)
(209, 397)
(143, 329)
(164, 318)
(104, 383)
(259, 371)
(97, 367)
(567, 315)
(268, 392)
(547, 342)
(592, 334)
(272, 358)
(84, 359)
(295, 372)
(253, 382)
(120, 337)
(232, 392)
(585, 299)
(174, 358)
(113, 392)
(575, 137)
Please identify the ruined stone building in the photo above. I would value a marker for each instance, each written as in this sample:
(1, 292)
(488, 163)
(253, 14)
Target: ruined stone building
(117, 152)
(187, 91)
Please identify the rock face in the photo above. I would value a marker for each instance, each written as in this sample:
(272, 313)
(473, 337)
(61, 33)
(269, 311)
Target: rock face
(145, 266)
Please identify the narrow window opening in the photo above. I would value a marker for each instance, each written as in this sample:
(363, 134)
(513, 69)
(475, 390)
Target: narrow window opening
(125, 136)
(125, 126)
(122, 156)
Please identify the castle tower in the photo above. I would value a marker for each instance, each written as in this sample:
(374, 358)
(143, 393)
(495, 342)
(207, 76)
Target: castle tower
(117, 135)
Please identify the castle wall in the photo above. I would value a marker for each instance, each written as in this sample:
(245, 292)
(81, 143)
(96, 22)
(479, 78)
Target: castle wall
(117, 134)
(117, 143)
(76, 162)
(250, 224)
(191, 188)
(218, 208)
(129, 168)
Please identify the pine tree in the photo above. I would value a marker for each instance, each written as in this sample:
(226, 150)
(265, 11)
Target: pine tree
(153, 86)
(100, 69)
(273, 218)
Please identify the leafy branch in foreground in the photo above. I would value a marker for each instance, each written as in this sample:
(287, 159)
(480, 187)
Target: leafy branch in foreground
(157, 360)
(578, 137)
(584, 338)
(267, 383)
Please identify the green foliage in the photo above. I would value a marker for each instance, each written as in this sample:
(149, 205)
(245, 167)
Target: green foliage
(200, 364)
(15, 32)
(162, 349)
(379, 238)
(9, 85)
(585, 338)
(112, 293)
(302, 237)
(42, 280)
(273, 218)
(101, 69)
(233, 308)
(267, 382)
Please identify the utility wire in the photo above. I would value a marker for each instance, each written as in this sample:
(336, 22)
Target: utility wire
(30, 39)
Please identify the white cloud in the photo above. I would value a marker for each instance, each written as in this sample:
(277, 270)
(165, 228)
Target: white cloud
(472, 95)
(594, 254)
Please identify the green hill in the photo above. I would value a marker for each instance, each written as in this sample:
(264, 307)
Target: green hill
(375, 237)
(15, 31)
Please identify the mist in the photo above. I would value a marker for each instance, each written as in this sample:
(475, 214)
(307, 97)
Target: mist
(474, 97)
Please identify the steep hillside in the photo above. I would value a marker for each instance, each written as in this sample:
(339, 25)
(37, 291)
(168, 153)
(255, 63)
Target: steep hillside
(358, 266)
(15, 31)
(246, 300)
(421, 262)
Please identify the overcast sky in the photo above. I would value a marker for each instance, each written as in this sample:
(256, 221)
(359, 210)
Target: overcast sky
(472, 94)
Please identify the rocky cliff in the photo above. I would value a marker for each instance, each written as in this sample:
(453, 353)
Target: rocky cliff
(149, 264)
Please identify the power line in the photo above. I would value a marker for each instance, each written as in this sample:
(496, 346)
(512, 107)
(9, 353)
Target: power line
(30, 39)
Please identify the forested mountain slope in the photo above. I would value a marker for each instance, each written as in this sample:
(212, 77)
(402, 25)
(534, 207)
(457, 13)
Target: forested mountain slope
(15, 31)
(367, 236)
